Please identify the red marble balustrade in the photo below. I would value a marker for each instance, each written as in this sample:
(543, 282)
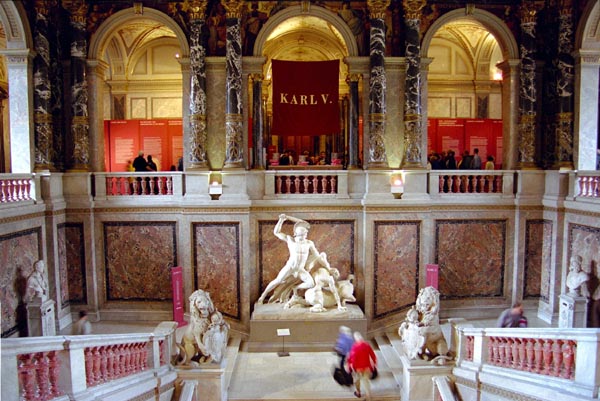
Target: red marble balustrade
(106, 363)
(306, 184)
(15, 188)
(589, 185)
(471, 183)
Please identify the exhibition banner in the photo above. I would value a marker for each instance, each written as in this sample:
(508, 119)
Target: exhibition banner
(305, 97)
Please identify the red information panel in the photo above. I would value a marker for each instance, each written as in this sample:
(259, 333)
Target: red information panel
(432, 145)
(451, 135)
(178, 306)
(477, 135)
(496, 134)
(124, 143)
(432, 276)
(153, 137)
(175, 130)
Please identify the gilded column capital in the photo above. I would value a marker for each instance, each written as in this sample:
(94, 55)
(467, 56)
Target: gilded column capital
(353, 78)
(529, 9)
(256, 77)
(234, 8)
(42, 7)
(77, 9)
(377, 8)
(412, 8)
(197, 9)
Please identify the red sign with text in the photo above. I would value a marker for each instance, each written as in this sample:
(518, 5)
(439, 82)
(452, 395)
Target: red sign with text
(433, 276)
(177, 286)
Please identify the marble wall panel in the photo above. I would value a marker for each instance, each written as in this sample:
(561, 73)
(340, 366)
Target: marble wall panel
(137, 258)
(18, 252)
(217, 265)
(396, 266)
(585, 241)
(71, 252)
(334, 237)
(471, 257)
(538, 257)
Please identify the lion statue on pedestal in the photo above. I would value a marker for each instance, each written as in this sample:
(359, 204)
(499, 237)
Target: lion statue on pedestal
(205, 337)
(421, 333)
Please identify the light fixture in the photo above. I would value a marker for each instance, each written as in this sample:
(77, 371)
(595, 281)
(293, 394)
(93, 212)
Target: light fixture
(397, 185)
(215, 187)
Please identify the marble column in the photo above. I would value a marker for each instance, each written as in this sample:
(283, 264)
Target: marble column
(353, 104)
(258, 141)
(528, 92)
(413, 119)
(510, 114)
(198, 137)
(587, 68)
(19, 65)
(565, 84)
(57, 76)
(234, 152)
(78, 152)
(377, 85)
(97, 90)
(42, 89)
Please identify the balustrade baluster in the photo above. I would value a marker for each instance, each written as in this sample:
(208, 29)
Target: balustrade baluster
(128, 358)
(118, 361)
(501, 351)
(469, 348)
(547, 350)
(315, 184)
(42, 371)
(568, 355)
(104, 364)
(334, 184)
(169, 185)
(492, 351)
(557, 358)
(530, 355)
(512, 353)
(161, 184)
(54, 366)
(110, 363)
(297, 184)
(522, 353)
(89, 367)
(26, 370)
(538, 350)
(441, 184)
(144, 356)
(3, 192)
(96, 365)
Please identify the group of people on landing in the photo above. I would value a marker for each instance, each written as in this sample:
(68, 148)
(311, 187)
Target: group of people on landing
(447, 161)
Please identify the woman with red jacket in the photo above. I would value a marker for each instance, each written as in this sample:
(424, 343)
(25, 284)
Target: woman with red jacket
(361, 361)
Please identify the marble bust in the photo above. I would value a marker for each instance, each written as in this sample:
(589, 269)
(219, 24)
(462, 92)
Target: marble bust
(37, 285)
(577, 278)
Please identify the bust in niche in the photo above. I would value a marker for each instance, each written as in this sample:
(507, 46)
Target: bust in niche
(37, 285)
(577, 278)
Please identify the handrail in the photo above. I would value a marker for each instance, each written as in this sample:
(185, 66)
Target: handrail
(50, 367)
(559, 355)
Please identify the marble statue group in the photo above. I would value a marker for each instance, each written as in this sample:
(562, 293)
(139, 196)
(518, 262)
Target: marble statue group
(307, 279)
(206, 336)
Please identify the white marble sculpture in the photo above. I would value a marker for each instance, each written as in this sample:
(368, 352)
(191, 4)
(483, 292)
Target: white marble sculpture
(37, 285)
(577, 278)
(205, 337)
(420, 332)
(307, 279)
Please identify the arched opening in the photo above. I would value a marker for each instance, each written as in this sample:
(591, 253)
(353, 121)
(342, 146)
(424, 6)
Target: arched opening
(295, 34)
(469, 89)
(141, 90)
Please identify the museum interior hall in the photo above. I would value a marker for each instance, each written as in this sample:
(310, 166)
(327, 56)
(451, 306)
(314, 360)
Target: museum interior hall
(215, 187)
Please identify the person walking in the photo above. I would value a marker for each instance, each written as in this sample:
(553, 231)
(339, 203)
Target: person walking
(83, 325)
(512, 317)
(362, 362)
(344, 344)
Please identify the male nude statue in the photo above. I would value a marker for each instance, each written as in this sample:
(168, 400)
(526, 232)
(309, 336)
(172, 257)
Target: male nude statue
(300, 249)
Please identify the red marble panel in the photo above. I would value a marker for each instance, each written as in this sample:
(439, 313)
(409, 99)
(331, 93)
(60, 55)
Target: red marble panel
(217, 264)
(72, 263)
(334, 237)
(137, 257)
(18, 252)
(471, 255)
(396, 266)
(538, 254)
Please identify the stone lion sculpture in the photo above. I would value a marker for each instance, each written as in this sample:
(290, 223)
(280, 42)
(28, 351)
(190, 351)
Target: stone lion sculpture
(205, 337)
(421, 333)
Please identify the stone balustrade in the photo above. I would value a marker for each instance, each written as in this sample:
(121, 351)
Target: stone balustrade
(138, 184)
(56, 367)
(468, 182)
(18, 188)
(284, 183)
(585, 184)
(553, 359)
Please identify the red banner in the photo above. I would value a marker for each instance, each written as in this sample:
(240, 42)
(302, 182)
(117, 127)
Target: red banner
(305, 97)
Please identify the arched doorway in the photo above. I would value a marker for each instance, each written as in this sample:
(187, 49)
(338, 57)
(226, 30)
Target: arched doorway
(473, 75)
(138, 60)
(316, 34)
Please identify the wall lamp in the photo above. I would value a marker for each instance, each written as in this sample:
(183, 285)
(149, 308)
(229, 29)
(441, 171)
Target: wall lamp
(215, 186)
(397, 185)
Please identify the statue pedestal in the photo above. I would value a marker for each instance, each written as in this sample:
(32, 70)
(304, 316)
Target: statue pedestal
(40, 318)
(573, 311)
(308, 331)
(418, 378)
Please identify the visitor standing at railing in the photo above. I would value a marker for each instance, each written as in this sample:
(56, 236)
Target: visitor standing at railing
(476, 163)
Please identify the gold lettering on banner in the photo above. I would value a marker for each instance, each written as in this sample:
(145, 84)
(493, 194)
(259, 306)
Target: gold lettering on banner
(304, 100)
